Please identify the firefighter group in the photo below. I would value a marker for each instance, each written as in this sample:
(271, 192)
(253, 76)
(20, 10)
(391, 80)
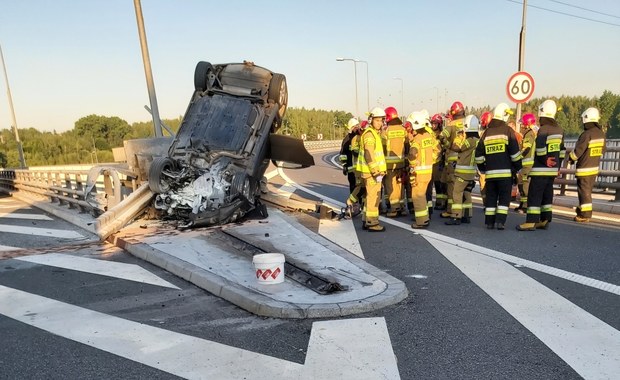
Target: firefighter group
(395, 165)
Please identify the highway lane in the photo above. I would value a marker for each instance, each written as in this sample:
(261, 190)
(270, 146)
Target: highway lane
(450, 327)
(453, 325)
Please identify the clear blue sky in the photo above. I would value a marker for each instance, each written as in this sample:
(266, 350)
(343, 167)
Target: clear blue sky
(70, 58)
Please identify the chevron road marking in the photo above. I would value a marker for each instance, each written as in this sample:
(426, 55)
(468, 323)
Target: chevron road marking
(13, 215)
(130, 272)
(7, 248)
(342, 349)
(587, 344)
(342, 232)
(50, 232)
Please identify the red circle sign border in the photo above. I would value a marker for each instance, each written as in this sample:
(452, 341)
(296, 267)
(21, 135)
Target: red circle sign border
(529, 76)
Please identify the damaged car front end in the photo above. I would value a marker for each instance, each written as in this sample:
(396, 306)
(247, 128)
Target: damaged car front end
(217, 159)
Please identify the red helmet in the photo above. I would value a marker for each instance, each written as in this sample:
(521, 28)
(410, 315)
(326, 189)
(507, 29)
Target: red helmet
(457, 108)
(363, 124)
(390, 114)
(437, 119)
(485, 119)
(408, 126)
(528, 119)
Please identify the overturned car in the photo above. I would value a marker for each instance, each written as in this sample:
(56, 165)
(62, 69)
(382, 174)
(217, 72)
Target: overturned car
(217, 160)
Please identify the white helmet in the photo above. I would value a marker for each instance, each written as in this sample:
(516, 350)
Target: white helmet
(502, 112)
(418, 120)
(591, 115)
(352, 123)
(471, 124)
(548, 108)
(377, 112)
(426, 114)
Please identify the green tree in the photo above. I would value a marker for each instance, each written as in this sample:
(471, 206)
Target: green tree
(107, 132)
(3, 160)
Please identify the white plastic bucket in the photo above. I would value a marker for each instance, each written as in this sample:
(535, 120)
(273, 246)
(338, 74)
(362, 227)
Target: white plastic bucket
(269, 268)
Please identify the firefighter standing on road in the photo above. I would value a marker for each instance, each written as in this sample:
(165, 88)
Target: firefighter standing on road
(347, 159)
(457, 112)
(465, 172)
(420, 159)
(549, 154)
(394, 143)
(441, 198)
(498, 156)
(356, 198)
(528, 147)
(485, 119)
(587, 155)
(371, 165)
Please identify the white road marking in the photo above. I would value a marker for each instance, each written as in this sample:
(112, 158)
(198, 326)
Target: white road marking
(342, 233)
(13, 215)
(345, 349)
(13, 207)
(271, 174)
(7, 248)
(590, 346)
(326, 200)
(62, 234)
(123, 271)
(333, 161)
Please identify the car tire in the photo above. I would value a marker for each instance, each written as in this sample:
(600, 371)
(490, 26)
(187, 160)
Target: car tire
(278, 93)
(201, 75)
(157, 179)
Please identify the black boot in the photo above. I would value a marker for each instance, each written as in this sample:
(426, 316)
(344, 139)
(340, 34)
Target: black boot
(466, 220)
(453, 222)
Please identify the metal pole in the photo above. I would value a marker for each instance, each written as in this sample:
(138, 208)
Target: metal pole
(147, 69)
(402, 103)
(367, 87)
(20, 149)
(521, 53)
(357, 112)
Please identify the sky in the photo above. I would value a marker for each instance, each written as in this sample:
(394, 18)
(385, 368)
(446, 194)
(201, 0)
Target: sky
(67, 59)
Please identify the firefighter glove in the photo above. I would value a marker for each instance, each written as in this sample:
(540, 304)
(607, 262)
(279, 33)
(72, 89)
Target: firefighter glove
(551, 162)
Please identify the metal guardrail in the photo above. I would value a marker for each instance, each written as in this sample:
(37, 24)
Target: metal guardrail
(114, 195)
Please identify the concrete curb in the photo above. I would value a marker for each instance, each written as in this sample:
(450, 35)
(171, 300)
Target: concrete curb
(255, 302)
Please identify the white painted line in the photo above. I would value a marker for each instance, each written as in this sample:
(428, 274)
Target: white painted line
(570, 276)
(345, 349)
(287, 190)
(342, 233)
(326, 200)
(333, 161)
(590, 346)
(7, 248)
(13, 215)
(271, 174)
(14, 207)
(50, 232)
(130, 272)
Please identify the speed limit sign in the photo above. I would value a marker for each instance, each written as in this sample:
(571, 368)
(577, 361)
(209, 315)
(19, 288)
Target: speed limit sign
(520, 87)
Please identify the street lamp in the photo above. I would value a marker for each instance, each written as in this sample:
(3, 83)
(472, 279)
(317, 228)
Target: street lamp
(401, 94)
(521, 50)
(367, 85)
(20, 149)
(355, 72)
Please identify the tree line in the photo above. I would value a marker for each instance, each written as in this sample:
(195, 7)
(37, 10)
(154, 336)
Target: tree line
(93, 136)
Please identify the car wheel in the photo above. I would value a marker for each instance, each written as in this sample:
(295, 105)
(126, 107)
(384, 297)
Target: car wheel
(158, 180)
(278, 93)
(201, 75)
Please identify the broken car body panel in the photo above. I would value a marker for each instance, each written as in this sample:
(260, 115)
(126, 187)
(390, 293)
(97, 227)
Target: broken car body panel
(222, 149)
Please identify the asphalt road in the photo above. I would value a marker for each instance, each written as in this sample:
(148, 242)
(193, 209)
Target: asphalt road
(452, 326)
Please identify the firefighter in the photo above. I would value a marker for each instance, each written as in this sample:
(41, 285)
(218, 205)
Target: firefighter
(408, 199)
(457, 114)
(485, 119)
(498, 156)
(372, 168)
(357, 195)
(528, 147)
(346, 153)
(465, 172)
(587, 155)
(441, 198)
(420, 161)
(394, 145)
(547, 159)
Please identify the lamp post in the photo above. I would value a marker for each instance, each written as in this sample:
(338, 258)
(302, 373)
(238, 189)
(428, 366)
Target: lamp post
(20, 149)
(367, 85)
(401, 93)
(355, 73)
(521, 51)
